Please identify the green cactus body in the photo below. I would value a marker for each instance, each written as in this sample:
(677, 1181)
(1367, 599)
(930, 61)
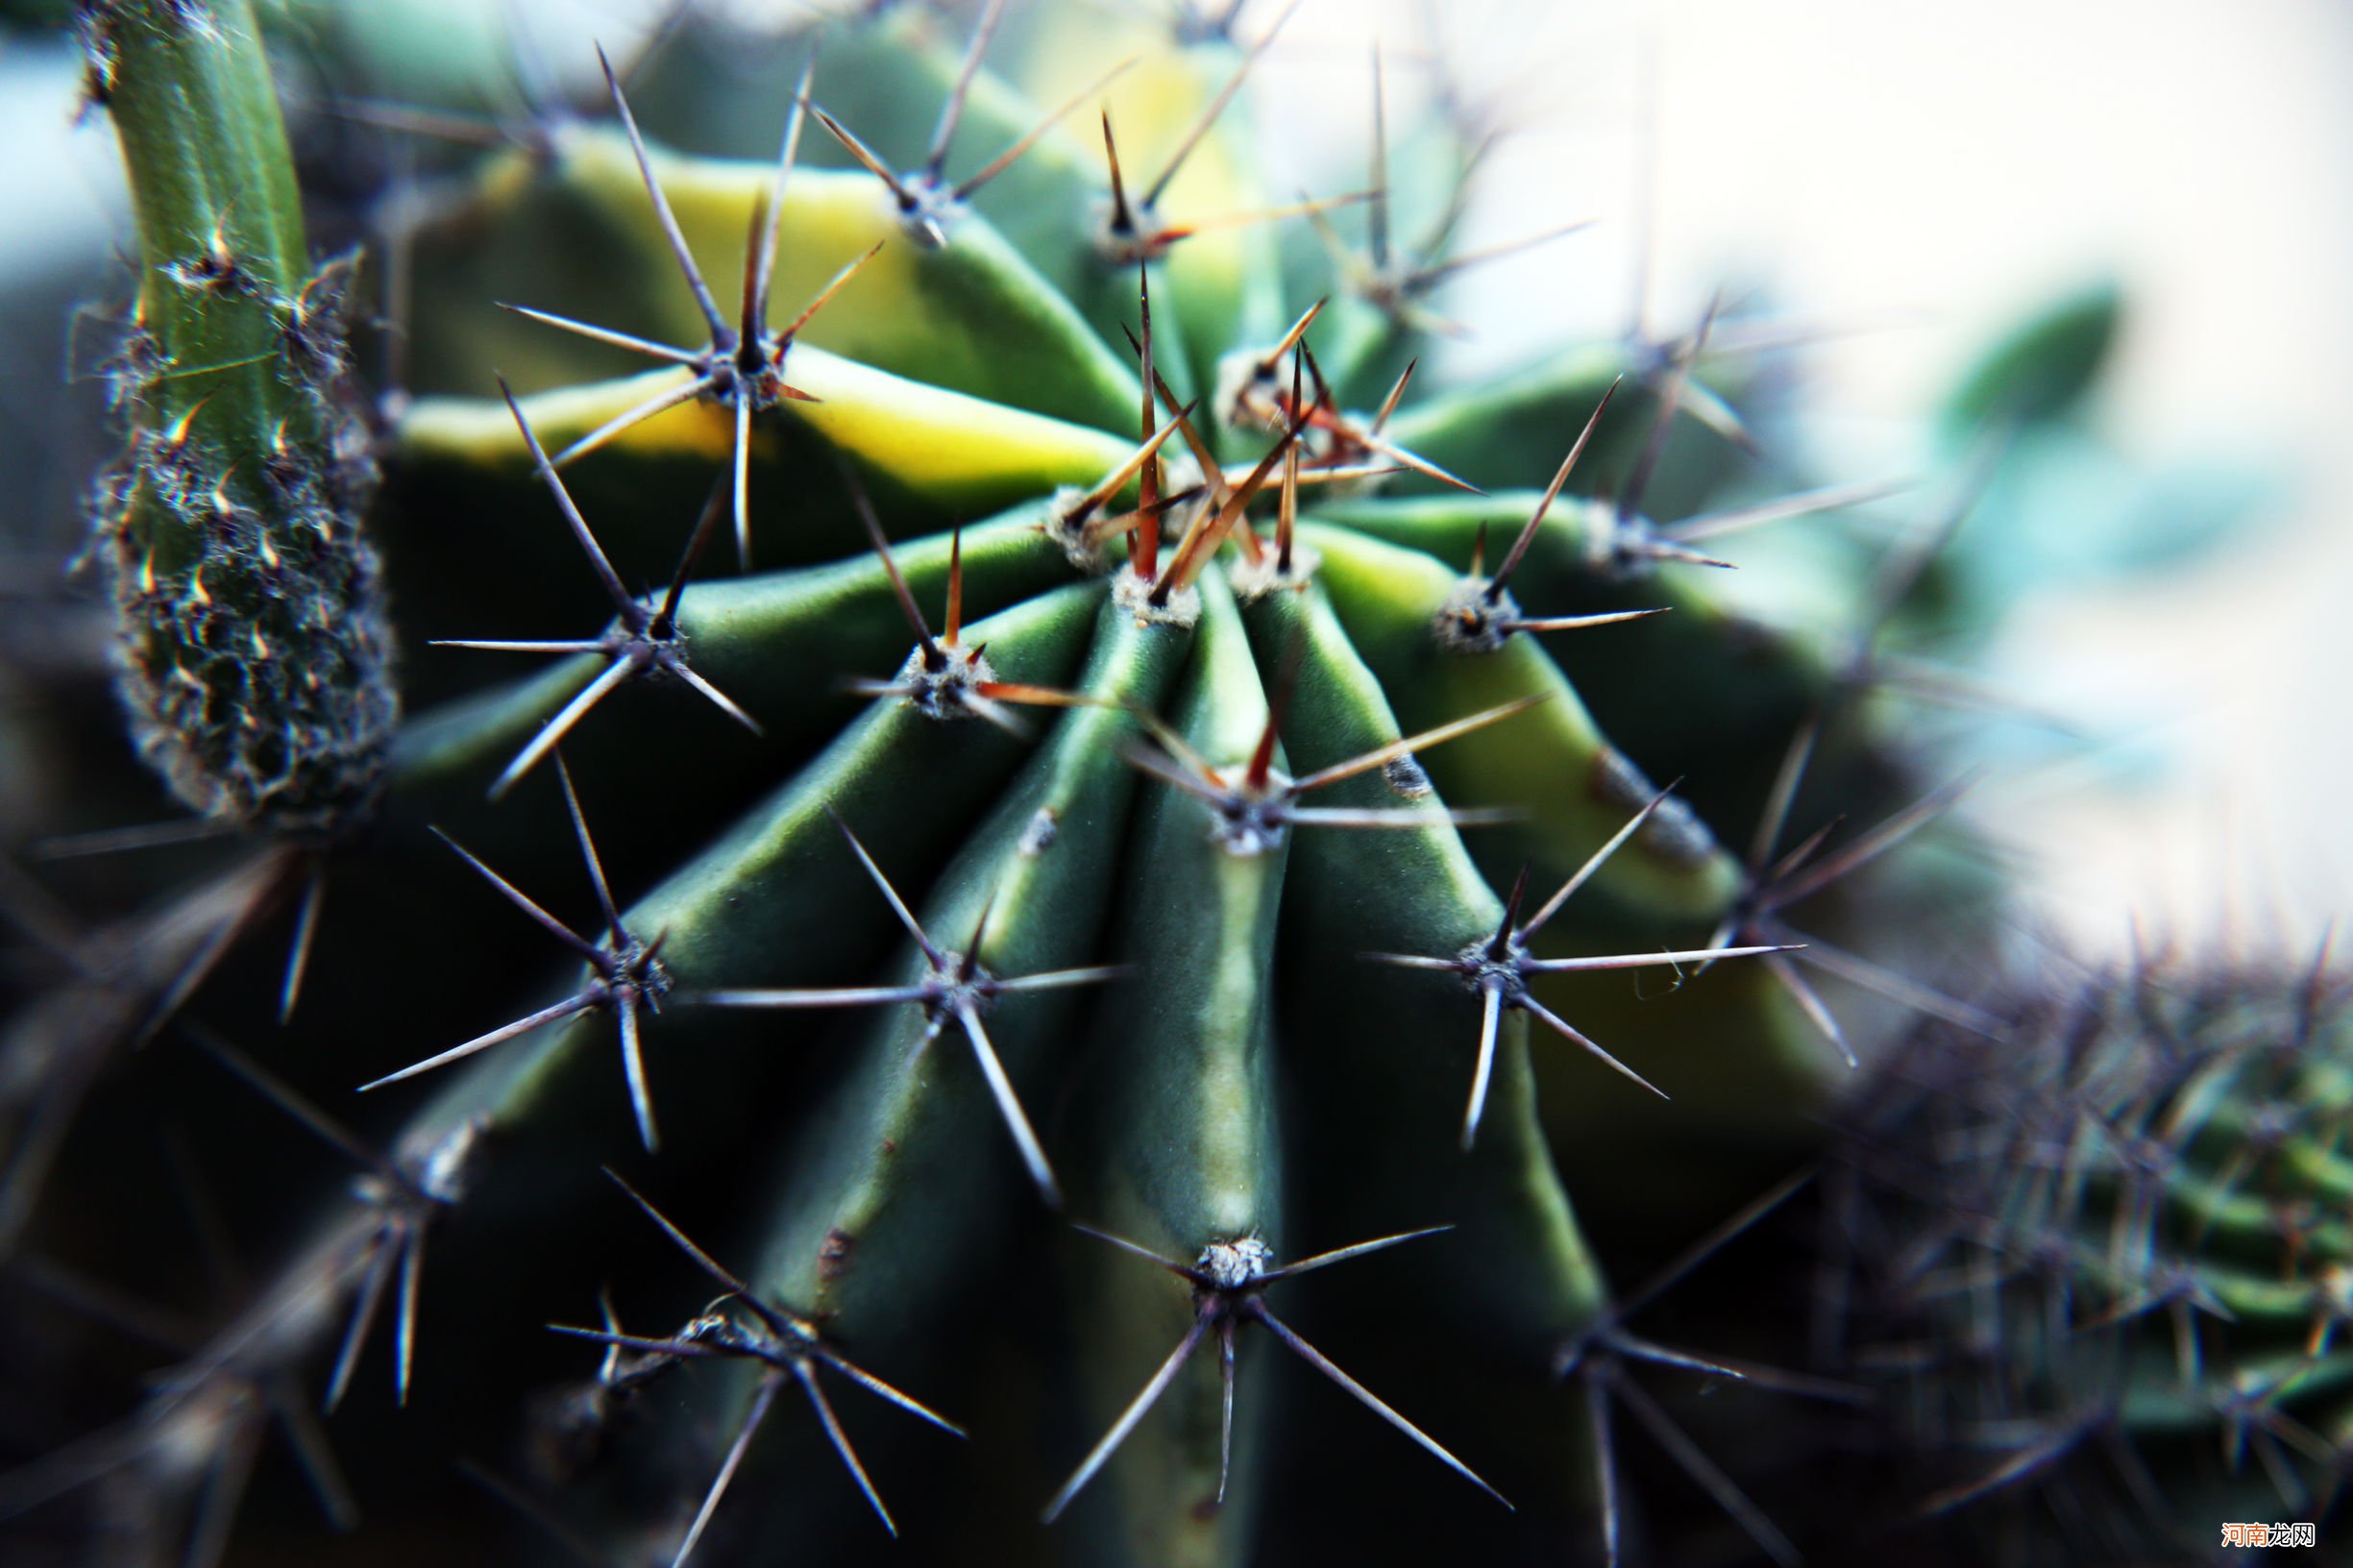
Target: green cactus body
(256, 655)
(2136, 1242)
(1041, 819)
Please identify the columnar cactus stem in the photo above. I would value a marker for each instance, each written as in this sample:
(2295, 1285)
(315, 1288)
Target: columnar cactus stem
(254, 656)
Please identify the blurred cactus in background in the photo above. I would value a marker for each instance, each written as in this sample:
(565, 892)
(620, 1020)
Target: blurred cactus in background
(2101, 1265)
(1076, 784)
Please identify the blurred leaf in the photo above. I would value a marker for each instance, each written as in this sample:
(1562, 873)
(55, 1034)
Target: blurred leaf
(2040, 370)
(2065, 510)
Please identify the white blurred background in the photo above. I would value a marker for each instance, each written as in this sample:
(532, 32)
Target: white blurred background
(1938, 170)
(1948, 168)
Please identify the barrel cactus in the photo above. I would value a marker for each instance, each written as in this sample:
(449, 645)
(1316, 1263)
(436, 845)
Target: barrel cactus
(1093, 862)
(2102, 1274)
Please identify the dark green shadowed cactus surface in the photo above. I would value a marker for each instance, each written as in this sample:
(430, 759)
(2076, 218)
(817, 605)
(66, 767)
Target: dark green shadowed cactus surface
(1016, 884)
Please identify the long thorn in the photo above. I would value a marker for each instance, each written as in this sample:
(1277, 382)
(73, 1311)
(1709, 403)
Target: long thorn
(824, 296)
(404, 1326)
(1561, 1027)
(716, 698)
(1594, 863)
(1437, 272)
(741, 454)
(1605, 1465)
(749, 320)
(1403, 817)
(898, 905)
(1900, 989)
(492, 645)
(305, 933)
(1708, 1245)
(1122, 216)
(702, 1260)
(1708, 1474)
(523, 901)
(1216, 107)
(866, 158)
(1368, 1399)
(1385, 755)
(1147, 494)
(362, 1323)
(1009, 1106)
(952, 111)
(614, 1339)
(660, 403)
(665, 622)
(1552, 492)
(1646, 464)
(1358, 1249)
(1248, 216)
(720, 333)
(1292, 336)
(883, 1391)
(1116, 481)
(1286, 512)
(1278, 706)
(1127, 1419)
(596, 560)
(954, 628)
(217, 1509)
(965, 189)
(1180, 1270)
(832, 1423)
(109, 841)
(1809, 1002)
(933, 658)
(633, 1069)
(560, 1011)
(1804, 504)
(1226, 1325)
(1580, 623)
(1637, 961)
(822, 997)
(1852, 857)
(313, 1458)
(785, 158)
(1397, 391)
(1785, 793)
(1490, 1024)
(761, 1400)
(552, 732)
(607, 334)
(588, 852)
(1212, 474)
(294, 1103)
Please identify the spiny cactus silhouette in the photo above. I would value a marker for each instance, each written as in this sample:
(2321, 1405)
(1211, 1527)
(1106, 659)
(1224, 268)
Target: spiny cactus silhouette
(1137, 671)
(2099, 1267)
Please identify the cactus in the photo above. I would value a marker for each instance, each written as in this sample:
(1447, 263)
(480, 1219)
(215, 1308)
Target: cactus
(1081, 811)
(254, 648)
(2103, 1283)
